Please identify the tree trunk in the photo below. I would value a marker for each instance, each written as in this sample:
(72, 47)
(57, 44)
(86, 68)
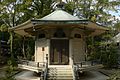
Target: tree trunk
(23, 49)
(11, 44)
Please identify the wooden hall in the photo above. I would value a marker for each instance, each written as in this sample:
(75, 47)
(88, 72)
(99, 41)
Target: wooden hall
(60, 43)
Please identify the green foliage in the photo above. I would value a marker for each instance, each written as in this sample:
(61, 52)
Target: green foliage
(117, 26)
(115, 76)
(15, 12)
(41, 8)
(30, 44)
(103, 49)
(4, 36)
(109, 56)
(4, 28)
(7, 78)
(9, 71)
(96, 11)
(69, 7)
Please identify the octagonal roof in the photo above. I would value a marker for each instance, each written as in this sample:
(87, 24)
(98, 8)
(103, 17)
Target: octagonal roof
(59, 15)
(57, 18)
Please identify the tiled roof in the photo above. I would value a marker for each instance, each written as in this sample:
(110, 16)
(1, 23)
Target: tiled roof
(58, 15)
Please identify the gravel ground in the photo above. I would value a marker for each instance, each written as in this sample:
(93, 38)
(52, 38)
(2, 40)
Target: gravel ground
(26, 75)
(88, 75)
(93, 75)
(108, 72)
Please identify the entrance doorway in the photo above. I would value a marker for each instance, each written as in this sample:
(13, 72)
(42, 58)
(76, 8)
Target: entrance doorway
(59, 52)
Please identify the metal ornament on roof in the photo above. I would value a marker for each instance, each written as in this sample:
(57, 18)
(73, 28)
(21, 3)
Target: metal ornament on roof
(60, 5)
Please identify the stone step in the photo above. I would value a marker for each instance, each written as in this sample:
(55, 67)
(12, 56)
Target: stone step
(60, 78)
(60, 73)
(59, 69)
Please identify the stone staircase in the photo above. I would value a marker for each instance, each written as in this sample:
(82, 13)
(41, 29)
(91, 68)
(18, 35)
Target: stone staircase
(60, 73)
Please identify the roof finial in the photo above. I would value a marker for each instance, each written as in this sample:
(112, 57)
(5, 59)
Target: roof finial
(60, 5)
(60, 1)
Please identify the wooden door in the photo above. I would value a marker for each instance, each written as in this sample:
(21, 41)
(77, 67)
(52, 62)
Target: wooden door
(59, 52)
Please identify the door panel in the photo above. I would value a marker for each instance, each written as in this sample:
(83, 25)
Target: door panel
(59, 51)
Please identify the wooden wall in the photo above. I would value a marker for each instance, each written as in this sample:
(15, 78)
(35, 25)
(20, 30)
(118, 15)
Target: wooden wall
(41, 49)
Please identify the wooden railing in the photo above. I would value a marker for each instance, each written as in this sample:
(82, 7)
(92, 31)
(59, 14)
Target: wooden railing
(80, 64)
(32, 63)
(74, 78)
(75, 72)
(37, 65)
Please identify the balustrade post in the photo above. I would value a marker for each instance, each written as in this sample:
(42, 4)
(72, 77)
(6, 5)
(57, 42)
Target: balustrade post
(37, 64)
(81, 64)
(46, 60)
(27, 63)
(42, 75)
